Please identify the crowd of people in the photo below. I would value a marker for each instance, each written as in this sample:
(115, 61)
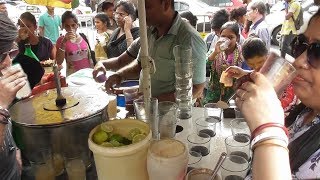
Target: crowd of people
(233, 46)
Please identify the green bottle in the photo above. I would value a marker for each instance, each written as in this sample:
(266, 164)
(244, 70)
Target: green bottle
(28, 52)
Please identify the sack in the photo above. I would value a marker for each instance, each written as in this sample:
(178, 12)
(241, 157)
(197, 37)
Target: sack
(298, 22)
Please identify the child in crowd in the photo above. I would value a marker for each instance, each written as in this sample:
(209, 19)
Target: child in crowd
(255, 53)
(221, 58)
(101, 22)
(72, 46)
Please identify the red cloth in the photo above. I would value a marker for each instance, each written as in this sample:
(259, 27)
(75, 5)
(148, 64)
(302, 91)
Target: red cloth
(288, 99)
(47, 82)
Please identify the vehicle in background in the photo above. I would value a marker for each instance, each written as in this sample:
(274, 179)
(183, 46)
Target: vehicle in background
(277, 17)
(228, 4)
(198, 8)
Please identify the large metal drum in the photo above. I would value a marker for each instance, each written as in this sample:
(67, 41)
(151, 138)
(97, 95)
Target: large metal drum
(39, 124)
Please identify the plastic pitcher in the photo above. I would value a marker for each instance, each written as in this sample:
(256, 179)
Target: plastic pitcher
(125, 162)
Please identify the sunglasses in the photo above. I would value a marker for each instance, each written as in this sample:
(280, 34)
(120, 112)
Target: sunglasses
(300, 44)
(11, 53)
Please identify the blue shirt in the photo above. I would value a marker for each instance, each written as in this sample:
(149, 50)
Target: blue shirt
(51, 26)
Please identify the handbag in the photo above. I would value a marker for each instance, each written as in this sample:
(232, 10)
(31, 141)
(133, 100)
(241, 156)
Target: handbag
(92, 54)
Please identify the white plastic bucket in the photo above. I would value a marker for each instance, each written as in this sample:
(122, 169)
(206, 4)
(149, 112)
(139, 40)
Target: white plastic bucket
(125, 162)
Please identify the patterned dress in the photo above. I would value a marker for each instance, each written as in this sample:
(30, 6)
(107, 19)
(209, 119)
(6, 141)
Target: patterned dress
(220, 63)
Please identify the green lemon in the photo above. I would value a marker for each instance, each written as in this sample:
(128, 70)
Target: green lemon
(106, 127)
(138, 138)
(106, 144)
(115, 143)
(133, 132)
(117, 137)
(99, 137)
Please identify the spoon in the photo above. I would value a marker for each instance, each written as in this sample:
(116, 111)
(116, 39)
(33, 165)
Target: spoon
(218, 165)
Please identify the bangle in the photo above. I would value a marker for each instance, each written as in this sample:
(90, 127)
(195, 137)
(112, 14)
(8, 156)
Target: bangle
(266, 125)
(271, 142)
(269, 135)
(62, 49)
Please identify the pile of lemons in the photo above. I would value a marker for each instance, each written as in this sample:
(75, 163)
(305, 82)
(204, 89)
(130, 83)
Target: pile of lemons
(106, 137)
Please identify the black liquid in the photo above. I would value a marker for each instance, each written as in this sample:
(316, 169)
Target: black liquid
(213, 119)
(207, 131)
(242, 138)
(179, 128)
(200, 149)
(234, 177)
(241, 154)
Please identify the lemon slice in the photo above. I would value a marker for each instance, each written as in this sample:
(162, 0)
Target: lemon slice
(138, 138)
(106, 127)
(133, 132)
(106, 144)
(99, 137)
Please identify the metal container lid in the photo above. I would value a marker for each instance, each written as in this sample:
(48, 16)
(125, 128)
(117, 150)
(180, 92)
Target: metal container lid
(40, 110)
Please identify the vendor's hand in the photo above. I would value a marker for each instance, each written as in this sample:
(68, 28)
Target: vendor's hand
(127, 23)
(99, 67)
(258, 102)
(114, 79)
(10, 83)
(236, 72)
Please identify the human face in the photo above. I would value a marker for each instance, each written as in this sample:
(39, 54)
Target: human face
(27, 24)
(251, 13)
(256, 62)
(70, 25)
(119, 15)
(109, 12)
(50, 9)
(99, 24)
(307, 83)
(3, 8)
(230, 35)
(154, 12)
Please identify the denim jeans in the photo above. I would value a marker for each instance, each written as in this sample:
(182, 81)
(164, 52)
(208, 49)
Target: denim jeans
(285, 44)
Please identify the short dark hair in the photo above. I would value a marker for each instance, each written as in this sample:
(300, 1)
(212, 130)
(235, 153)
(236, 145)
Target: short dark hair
(260, 6)
(219, 18)
(68, 15)
(253, 47)
(106, 5)
(29, 17)
(238, 12)
(103, 18)
(190, 17)
(233, 26)
(128, 7)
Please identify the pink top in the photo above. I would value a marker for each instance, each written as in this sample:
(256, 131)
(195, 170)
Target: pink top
(76, 54)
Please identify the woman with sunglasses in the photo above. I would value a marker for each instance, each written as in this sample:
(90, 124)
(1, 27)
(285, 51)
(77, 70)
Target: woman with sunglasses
(10, 84)
(258, 103)
(123, 36)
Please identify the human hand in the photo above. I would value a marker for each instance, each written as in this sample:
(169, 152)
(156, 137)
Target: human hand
(236, 72)
(127, 23)
(114, 79)
(99, 67)
(258, 102)
(70, 36)
(11, 82)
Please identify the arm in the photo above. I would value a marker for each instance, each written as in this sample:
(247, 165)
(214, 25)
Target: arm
(53, 52)
(259, 104)
(61, 45)
(291, 10)
(127, 30)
